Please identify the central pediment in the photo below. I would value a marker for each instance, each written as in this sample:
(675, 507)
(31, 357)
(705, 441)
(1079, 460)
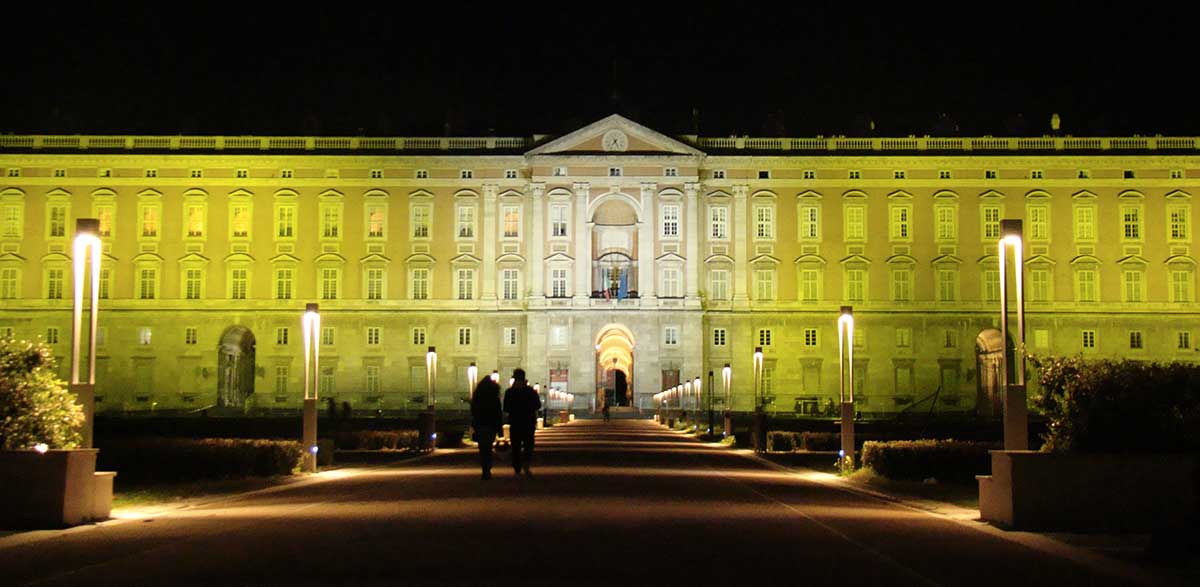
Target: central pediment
(615, 135)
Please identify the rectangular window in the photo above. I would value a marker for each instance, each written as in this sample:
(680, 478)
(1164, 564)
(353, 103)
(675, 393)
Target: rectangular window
(466, 174)
(671, 283)
(54, 284)
(718, 337)
(285, 222)
(52, 335)
(810, 223)
(1039, 223)
(1131, 222)
(946, 221)
(810, 337)
(559, 172)
(855, 174)
(422, 174)
(144, 336)
(150, 221)
(764, 337)
(1086, 288)
(243, 173)
(901, 285)
(376, 174)
(281, 379)
(509, 336)
(1041, 338)
(990, 174)
(1089, 339)
(464, 336)
(764, 222)
(376, 215)
(327, 381)
(1084, 174)
(466, 284)
(281, 335)
(718, 174)
(1181, 286)
(195, 220)
(374, 335)
(105, 282)
(947, 285)
(512, 222)
(558, 336)
(193, 279)
(718, 219)
(104, 213)
(1183, 340)
(327, 338)
(670, 220)
(856, 223)
(421, 215)
(671, 171)
(558, 283)
(809, 174)
(374, 385)
(1085, 223)
(949, 339)
(1037, 174)
(904, 338)
(991, 285)
(57, 221)
(1135, 339)
(13, 223)
(238, 282)
(614, 172)
(671, 335)
(764, 284)
(810, 290)
(287, 173)
(510, 283)
(331, 221)
(944, 174)
(8, 283)
(375, 284)
(1177, 220)
(899, 174)
(147, 282)
(420, 284)
(283, 284)
(466, 222)
(418, 336)
(239, 221)
(856, 285)
(901, 223)
(1039, 285)
(329, 284)
(991, 222)
(1133, 285)
(719, 284)
(558, 220)
(510, 174)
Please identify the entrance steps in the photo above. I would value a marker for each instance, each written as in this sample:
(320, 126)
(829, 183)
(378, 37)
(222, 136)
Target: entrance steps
(623, 413)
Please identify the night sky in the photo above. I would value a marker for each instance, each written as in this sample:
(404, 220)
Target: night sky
(979, 68)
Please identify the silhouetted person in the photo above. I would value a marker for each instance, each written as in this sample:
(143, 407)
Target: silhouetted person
(522, 404)
(487, 419)
(606, 416)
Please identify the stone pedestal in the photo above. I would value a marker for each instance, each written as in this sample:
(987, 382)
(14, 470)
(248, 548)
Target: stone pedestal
(848, 430)
(309, 436)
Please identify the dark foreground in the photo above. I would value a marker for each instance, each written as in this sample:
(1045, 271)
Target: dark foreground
(620, 503)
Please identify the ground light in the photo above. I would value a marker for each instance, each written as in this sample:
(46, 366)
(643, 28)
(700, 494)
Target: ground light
(87, 241)
(1016, 425)
(846, 390)
(311, 327)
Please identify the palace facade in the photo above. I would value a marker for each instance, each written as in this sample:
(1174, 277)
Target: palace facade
(613, 258)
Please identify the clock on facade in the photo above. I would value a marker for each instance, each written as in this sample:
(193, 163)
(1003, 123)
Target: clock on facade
(615, 140)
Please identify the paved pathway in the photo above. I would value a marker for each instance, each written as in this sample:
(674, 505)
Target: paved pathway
(620, 503)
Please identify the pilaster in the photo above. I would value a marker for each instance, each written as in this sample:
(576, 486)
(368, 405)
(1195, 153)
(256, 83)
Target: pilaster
(583, 246)
(692, 234)
(537, 248)
(740, 245)
(488, 293)
(646, 285)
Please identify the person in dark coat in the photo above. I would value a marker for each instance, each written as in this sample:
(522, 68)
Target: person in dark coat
(522, 404)
(487, 420)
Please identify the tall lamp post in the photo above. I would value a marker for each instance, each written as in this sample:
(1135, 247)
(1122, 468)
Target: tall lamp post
(472, 379)
(1016, 424)
(710, 400)
(686, 398)
(697, 394)
(87, 241)
(760, 417)
(726, 384)
(427, 421)
(311, 325)
(846, 390)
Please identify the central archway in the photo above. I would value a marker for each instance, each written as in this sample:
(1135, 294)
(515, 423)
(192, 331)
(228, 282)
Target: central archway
(614, 366)
(236, 369)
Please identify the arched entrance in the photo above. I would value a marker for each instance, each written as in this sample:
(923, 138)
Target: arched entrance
(614, 366)
(235, 367)
(989, 385)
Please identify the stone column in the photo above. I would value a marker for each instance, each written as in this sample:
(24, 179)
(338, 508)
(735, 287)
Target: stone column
(536, 266)
(646, 275)
(692, 234)
(488, 219)
(740, 244)
(583, 247)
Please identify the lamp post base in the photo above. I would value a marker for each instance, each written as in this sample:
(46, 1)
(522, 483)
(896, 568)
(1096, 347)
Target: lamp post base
(1016, 418)
(85, 394)
(848, 430)
(759, 430)
(427, 428)
(309, 437)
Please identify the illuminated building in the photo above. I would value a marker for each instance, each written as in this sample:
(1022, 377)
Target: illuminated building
(611, 249)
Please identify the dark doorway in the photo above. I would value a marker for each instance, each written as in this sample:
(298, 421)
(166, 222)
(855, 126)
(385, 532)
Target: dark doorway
(235, 367)
(622, 389)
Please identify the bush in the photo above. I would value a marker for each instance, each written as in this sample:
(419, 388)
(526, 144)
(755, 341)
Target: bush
(782, 441)
(377, 440)
(821, 441)
(1118, 406)
(35, 405)
(179, 459)
(916, 460)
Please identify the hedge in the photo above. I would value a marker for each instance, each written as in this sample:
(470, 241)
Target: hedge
(782, 441)
(378, 440)
(179, 459)
(1118, 406)
(917, 460)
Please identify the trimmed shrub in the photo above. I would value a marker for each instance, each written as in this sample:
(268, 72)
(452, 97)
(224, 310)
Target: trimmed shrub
(450, 438)
(782, 441)
(377, 440)
(1118, 406)
(821, 441)
(916, 460)
(35, 405)
(179, 459)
